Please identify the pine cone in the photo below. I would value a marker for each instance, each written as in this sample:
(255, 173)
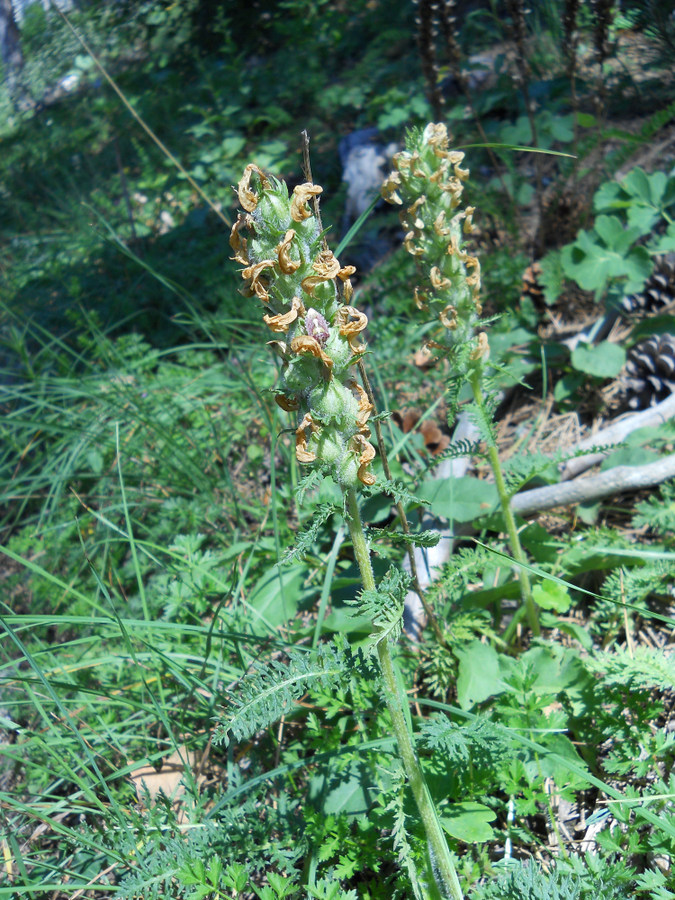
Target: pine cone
(659, 289)
(650, 371)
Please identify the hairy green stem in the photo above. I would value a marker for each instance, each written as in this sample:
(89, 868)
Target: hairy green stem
(438, 848)
(509, 518)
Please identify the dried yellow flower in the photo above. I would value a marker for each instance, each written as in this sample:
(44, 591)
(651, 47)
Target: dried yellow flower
(248, 198)
(302, 454)
(366, 457)
(281, 322)
(286, 264)
(303, 343)
(301, 195)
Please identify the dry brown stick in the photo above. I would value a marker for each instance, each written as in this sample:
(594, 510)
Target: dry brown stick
(586, 490)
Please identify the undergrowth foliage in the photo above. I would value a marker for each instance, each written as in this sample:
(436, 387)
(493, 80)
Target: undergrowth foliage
(207, 691)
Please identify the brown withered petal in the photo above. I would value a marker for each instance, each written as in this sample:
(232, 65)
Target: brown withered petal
(302, 454)
(303, 343)
(346, 327)
(346, 272)
(253, 272)
(449, 317)
(282, 321)
(411, 213)
(390, 187)
(308, 284)
(347, 290)
(469, 227)
(438, 281)
(436, 134)
(439, 225)
(289, 404)
(260, 290)
(366, 457)
(350, 329)
(462, 174)
(413, 249)
(326, 264)
(248, 198)
(286, 264)
(473, 280)
(420, 299)
(238, 243)
(365, 406)
(301, 194)
(482, 349)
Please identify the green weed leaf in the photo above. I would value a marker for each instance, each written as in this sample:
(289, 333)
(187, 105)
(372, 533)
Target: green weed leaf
(469, 821)
(604, 360)
(551, 595)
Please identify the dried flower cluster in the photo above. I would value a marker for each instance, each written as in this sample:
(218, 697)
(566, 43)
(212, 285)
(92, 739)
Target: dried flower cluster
(306, 294)
(428, 182)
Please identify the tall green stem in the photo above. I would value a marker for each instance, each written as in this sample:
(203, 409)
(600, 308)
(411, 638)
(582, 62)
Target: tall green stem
(509, 518)
(438, 848)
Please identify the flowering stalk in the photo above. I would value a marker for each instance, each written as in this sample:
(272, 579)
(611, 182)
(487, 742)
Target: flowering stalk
(428, 182)
(306, 294)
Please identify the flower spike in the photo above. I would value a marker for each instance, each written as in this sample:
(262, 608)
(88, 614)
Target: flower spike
(286, 265)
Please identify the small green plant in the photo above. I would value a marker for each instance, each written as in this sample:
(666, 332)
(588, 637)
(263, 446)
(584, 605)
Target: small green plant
(635, 222)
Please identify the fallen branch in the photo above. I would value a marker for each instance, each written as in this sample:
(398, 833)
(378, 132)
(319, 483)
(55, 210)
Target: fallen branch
(614, 434)
(586, 490)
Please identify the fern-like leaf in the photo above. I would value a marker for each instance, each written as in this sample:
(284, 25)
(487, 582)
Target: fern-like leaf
(305, 539)
(658, 513)
(397, 491)
(636, 584)
(311, 480)
(417, 539)
(456, 450)
(646, 668)
(384, 606)
(478, 741)
(268, 693)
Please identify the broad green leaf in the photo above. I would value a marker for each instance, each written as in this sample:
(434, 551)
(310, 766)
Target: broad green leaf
(666, 242)
(605, 360)
(479, 674)
(629, 456)
(348, 791)
(459, 499)
(555, 668)
(551, 595)
(567, 387)
(276, 595)
(469, 822)
(638, 184)
(586, 120)
(562, 128)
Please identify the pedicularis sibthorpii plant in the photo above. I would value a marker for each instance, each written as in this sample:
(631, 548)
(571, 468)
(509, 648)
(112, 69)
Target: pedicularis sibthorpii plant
(428, 181)
(306, 293)
(318, 336)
